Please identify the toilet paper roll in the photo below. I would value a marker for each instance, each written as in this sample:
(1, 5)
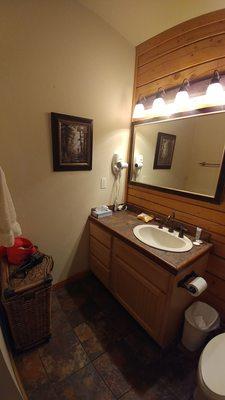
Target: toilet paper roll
(197, 286)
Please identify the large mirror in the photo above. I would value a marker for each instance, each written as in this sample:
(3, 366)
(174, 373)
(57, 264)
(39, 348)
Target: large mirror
(183, 155)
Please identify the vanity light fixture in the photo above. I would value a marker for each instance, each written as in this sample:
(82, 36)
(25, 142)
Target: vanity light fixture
(159, 105)
(182, 99)
(139, 109)
(214, 96)
(215, 93)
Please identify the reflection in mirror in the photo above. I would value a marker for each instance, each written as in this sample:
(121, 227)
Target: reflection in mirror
(183, 154)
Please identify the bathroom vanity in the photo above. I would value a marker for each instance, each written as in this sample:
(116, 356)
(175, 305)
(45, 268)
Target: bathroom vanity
(142, 278)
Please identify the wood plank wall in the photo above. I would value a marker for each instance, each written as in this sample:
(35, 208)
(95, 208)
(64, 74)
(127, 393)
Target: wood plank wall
(193, 50)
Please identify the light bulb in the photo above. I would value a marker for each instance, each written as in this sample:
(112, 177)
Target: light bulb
(139, 111)
(182, 100)
(215, 93)
(159, 106)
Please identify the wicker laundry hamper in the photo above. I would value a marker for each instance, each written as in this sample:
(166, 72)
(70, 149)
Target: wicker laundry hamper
(27, 303)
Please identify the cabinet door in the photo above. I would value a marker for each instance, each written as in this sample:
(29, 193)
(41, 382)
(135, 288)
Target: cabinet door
(142, 299)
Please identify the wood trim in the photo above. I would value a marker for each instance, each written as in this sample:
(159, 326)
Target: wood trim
(216, 216)
(215, 302)
(219, 207)
(216, 286)
(216, 266)
(219, 248)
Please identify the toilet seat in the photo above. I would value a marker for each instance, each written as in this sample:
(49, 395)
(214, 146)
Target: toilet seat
(212, 368)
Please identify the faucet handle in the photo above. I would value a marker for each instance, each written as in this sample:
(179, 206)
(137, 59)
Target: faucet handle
(170, 221)
(160, 222)
(182, 229)
(173, 215)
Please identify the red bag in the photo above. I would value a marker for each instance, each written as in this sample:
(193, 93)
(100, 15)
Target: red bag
(20, 251)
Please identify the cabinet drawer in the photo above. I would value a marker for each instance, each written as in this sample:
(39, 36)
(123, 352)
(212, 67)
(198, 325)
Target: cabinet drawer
(142, 265)
(101, 252)
(100, 234)
(100, 270)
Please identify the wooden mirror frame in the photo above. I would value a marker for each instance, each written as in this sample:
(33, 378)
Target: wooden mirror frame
(221, 181)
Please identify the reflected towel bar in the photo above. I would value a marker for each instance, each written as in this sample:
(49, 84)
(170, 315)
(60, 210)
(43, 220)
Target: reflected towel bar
(206, 164)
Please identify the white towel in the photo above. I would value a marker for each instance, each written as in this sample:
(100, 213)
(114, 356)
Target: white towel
(9, 227)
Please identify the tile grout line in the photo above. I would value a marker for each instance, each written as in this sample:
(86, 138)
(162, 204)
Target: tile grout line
(129, 390)
(103, 380)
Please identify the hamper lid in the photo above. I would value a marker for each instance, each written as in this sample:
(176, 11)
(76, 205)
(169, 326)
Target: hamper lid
(36, 276)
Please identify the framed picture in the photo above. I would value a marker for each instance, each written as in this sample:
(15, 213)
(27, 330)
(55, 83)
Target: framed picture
(72, 142)
(164, 151)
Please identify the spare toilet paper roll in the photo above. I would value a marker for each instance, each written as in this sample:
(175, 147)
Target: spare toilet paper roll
(198, 286)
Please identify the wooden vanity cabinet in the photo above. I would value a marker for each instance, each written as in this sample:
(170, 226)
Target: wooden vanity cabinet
(144, 301)
(100, 253)
(148, 291)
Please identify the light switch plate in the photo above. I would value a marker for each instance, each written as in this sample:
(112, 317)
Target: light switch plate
(103, 183)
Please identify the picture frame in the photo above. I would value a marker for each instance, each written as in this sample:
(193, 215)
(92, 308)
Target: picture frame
(72, 142)
(164, 151)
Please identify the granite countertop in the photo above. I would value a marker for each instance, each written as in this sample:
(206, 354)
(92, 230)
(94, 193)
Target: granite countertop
(121, 225)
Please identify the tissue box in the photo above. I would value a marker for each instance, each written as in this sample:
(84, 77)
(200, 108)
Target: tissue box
(101, 214)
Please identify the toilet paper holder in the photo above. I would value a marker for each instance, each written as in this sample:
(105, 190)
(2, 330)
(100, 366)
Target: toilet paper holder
(184, 282)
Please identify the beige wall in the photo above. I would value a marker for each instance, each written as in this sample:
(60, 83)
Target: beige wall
(208, 145)
(138, 20)
(58, 56)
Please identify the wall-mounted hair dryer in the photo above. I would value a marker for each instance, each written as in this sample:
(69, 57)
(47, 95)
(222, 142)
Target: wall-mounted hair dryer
(118, 164)
(139, 160)
(138, 164)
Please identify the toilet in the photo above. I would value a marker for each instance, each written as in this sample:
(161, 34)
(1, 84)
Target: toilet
(211, 371)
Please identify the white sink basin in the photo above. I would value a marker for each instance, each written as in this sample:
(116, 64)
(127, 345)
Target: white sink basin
(162, 239)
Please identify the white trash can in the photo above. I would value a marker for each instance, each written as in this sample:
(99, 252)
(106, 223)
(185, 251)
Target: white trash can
(200, 319)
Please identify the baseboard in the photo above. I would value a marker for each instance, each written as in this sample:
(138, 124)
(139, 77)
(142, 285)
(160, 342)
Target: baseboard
(76, 277)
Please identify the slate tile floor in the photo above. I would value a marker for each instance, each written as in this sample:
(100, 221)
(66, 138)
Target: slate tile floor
(98, 352)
